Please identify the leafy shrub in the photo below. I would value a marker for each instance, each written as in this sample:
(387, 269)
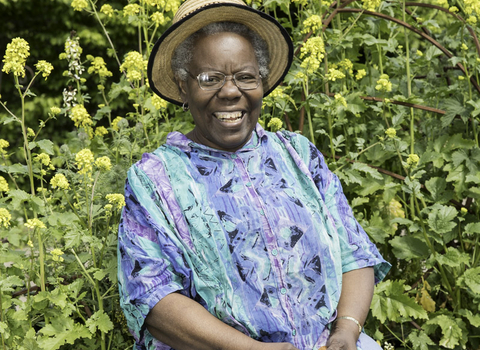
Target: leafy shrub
(388, 91)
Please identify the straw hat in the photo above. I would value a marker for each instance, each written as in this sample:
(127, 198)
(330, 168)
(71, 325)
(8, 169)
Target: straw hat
(196, 14)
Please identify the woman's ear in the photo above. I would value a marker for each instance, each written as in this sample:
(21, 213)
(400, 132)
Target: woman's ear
(182, 89)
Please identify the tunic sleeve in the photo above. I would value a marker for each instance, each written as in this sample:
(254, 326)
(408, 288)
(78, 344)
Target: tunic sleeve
(357, 251)
(150, 264)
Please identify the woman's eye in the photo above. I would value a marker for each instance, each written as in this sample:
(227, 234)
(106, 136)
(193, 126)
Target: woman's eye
(245, 77)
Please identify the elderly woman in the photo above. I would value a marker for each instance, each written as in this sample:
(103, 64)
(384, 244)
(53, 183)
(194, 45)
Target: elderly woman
(234, 237)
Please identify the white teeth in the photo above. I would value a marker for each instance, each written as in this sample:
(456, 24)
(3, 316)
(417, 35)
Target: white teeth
(228, 117)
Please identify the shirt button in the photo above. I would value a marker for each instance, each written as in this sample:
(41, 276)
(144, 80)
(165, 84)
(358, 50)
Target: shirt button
(262, 212)
(233, 155)
(248, 184)
(294, 332)
(274, 252)
(283, 291)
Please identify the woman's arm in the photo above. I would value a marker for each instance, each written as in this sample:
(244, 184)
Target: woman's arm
(355, 299)
(183, 324)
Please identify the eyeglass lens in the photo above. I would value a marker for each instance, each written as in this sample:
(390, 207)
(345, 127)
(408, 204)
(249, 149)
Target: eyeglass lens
(216, 80)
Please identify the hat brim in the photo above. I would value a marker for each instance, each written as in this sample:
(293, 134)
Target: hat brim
(280, 47)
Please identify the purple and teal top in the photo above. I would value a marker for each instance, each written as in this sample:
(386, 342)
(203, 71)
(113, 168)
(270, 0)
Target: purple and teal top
(260, 237)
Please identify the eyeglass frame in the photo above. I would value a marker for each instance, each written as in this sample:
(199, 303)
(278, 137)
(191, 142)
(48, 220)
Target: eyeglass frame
(231, 76)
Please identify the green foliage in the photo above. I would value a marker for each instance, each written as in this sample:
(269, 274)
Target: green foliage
(390, 96)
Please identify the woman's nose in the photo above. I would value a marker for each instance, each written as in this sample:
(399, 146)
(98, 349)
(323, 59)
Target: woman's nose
(229, 90)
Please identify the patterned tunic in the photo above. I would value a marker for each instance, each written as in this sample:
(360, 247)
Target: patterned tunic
(260, 237)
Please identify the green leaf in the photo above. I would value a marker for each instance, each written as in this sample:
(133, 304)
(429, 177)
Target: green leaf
(359, 201)
(60, 331)
(451, 331)
(17, 169)
(73, 238)
(436, 186)
(420, 340)
(474, 319)
(472, 279)
(18, 197)
(99, 320)
(46, 146)
(391, 303)
(408, 247)
(453, 257)
(472, 228)
(368, 170)
(440, 219)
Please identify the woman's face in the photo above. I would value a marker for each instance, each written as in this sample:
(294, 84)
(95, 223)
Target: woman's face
(225, 118)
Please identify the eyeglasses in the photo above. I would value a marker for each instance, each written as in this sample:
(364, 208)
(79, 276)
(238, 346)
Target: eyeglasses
(216, 80)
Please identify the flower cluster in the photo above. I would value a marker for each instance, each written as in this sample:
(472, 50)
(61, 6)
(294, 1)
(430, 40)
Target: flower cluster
(131, 10)
(55, 110)
(107, 10)
(72, 54)
(44, 67)
(312, 23)
(383, 84)
(395, 210)
(98, 66)
(43, 158)
(69, 97)
(33, 223)
(443, 3)
(80, 116)
(15, 57)
(371, 5)
(59, 181)
(334, 74)
(472, 20)
(360, 74)
(116, 199)
(472, 6)
(340, 100)
(3, 144)
(413, 160)
(159, 103)
(134, 65)
(101, 131)
(5, 217)
(158, 18)
(346, 65)
(3, 184)
(84, 159)
(173, 5)
(275, 124)
(314, 49)
(79, 5)
(115, 123)
(103, 163)
(391, 133)
(388, 346)
(57, 255)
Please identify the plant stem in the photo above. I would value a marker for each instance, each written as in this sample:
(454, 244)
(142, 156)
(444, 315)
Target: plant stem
(1, 312)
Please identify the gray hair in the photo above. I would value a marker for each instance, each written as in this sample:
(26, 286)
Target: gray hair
(184, 52)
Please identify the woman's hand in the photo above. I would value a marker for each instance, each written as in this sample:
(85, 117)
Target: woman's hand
(342, 339)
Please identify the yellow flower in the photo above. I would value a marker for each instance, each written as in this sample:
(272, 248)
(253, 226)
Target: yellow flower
(461, 77)
(3, 184)
(15, 57)
(99, 67)
(115, 123)
(383, 84)
(84, 160)
(314, 49)
(59, 181)
(413, 160)
(453, 9)
(334, 74)
(172, 5)
(443, 3)
(79, 5)
(44, 67)
(131, 10)
(391, 132)
(463, 211)
(360, 74)
(5, 217)
(116, 199)
(43, 158)
(3, 144)
(103, 163)
(275, 124)
(55, 110)
(158, 18)
(472, 20)
(419, 53)
(134, 65)
(339, 99)
(312, 23)
(80, 116)
(155, 3)
(464, 47)
(347, 65)
(159, 103)
(56, 255)
(100, 131)
(371, 5)
(32, 223)
(107, 10)
(395, 209)
(30, 132)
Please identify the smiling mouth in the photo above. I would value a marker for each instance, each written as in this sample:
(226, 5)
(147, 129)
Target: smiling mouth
(228, 117)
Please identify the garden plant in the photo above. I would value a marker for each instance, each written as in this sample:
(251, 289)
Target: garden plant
(389, 91)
